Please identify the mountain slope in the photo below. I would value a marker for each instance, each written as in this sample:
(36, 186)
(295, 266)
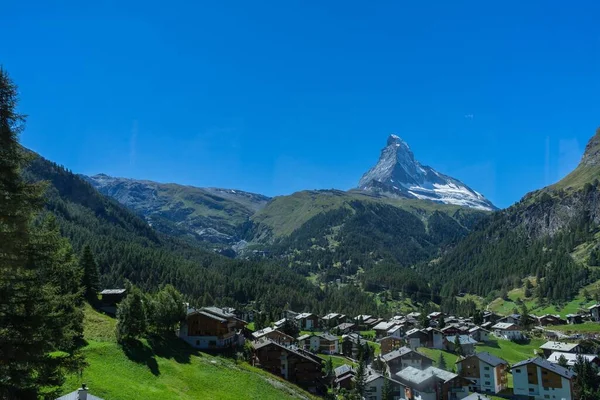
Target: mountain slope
(126, 247)
(398, 173)
(549, 234)
(204, 214)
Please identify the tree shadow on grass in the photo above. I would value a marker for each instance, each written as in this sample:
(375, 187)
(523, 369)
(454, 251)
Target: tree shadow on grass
(138, 352)
(173, 348)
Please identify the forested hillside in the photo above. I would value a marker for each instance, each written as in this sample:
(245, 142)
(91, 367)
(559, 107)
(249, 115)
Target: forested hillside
(126, 247)
(551, 234)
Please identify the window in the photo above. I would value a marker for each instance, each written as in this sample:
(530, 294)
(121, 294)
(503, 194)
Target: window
(486, 375)
(487, 383)
(518, 371)
(487, 368)
(531, 389)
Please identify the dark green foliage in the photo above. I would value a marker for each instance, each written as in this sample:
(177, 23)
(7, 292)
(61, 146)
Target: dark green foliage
(457, 346)
(132, 318)
(441, 363)
(168, 310)
(91, 278)
(386, 391)
(562, 361)
(360, 380)
(40, 296)
(290, 328)
(587, 384)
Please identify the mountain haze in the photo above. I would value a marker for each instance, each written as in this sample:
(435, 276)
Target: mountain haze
(398, 173)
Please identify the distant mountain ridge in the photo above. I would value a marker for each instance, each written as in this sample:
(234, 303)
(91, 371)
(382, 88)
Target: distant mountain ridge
(210, 215)
(398, 173)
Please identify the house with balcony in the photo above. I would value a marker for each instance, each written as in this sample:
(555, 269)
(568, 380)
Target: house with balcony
(539, 379)
(488, 373)
(595, 312)
(212, 328)
(274, 335)
(307, 321)
(508, 331)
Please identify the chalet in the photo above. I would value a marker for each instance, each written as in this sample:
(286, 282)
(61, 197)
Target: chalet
(595, 312)
(396, 331)
(109, 298)
(274, 335)
(343, 377)
(80, 394)
(573, 319)
(290, 365)
(330, 320)
(479, 334)
(571, 358)
(551, 347)
(389, 344)
(404, 357)
(436, 315)
(467, 343)
(491, 317)
(508, 331)
(416, 338)
(511, 319)
(212, 328)
(381, 329)
(487, 372)
(304, 341)
(345, 327)
(435, 338)
(372, 322)
(432, 384)
(540, 379)
(549, 319)
(451, 330)
(351, 343)
(307, 321)
(374, 383)
(328, 344)
(279, 324)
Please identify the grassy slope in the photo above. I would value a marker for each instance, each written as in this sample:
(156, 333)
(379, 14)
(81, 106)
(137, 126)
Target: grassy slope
(585, 172)
(168, 371)
(504, 307)
(284, 214)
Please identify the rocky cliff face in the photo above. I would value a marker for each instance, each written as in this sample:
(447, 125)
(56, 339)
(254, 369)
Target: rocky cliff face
(398, 173)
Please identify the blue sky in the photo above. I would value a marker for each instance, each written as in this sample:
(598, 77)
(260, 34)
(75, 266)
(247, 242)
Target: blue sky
(275, 97)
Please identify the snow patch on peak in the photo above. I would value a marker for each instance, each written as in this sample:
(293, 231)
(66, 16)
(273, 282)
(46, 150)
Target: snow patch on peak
(399, 174)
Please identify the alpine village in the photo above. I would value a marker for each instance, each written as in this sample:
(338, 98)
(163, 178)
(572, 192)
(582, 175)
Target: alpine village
(411, 286)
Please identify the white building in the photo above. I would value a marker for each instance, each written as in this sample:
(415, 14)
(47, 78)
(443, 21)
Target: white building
(539, 379)
(487, 372)
(508, 331)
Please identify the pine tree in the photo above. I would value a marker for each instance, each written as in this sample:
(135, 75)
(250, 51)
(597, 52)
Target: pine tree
(329, 371)
(387, 392)
(91, 278)
(457, 346)
(132, 321)
(441, 322)
(360, 380)
(562, 361)
(441, 361)
(35, 303)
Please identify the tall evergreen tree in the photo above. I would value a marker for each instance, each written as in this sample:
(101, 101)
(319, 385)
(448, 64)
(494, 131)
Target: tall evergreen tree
(91, 277)
(360, 380)
(386, 391)
(132, 320)
(36, 300)
(441, 363)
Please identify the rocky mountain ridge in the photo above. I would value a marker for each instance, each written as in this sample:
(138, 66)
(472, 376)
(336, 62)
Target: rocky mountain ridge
(398, 173)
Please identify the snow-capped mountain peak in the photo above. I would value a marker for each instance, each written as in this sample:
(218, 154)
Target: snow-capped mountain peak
(398, 173)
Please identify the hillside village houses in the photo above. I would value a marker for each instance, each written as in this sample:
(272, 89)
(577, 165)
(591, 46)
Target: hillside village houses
(412, 374)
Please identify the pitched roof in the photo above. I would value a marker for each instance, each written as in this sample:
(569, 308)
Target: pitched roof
(402, 351)
(331, 316)
(564, 372)
(559, 346)
(303, 337)
(113, 291)
(384, 326)
(477, 328)
(343, 369)
(505, 326)
(288, 349)
(464, 339)
(345, 325)
(328, 336)
(303, 315)
(486, 357)
(218, 312)
(416, 376)
(262, 332)
(570, 357)
(75, 396)
(594, 306)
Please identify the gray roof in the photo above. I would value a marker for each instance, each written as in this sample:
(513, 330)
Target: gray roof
(402, 351)
(112, 291)
(288, 349)
(487, 358)
(464, 339)
(75, 396)
(477, 396)
(305, 336)
(262, 332)
(330, 337)
(343, 369)
(416, 376)
(559, 346)
(209, 315)
(218, 311)
(504, 325)
(547, 365)
(345, 325)
(571, 357)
